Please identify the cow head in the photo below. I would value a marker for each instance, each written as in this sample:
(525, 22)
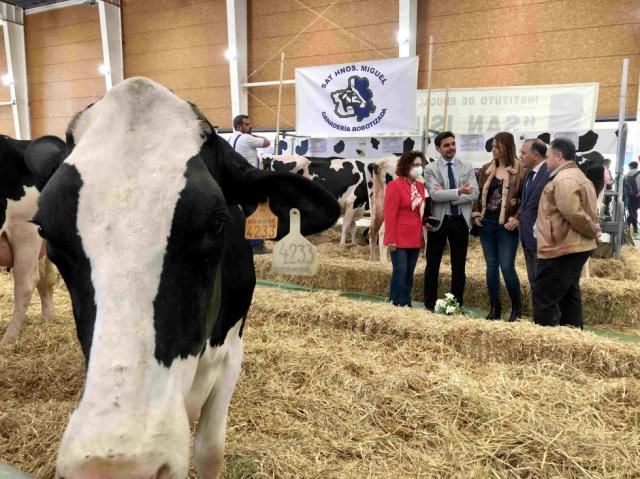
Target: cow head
(143, 219)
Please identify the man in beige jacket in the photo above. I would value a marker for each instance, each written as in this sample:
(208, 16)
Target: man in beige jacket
(566, 230)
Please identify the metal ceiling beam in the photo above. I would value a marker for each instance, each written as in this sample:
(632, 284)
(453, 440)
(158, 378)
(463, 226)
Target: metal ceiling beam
(111, 33)
(237, 54)
(17, 71)
(58, 5)
(11, 13)
(407, 27)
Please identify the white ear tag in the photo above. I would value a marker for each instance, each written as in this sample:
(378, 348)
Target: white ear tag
(293, 254)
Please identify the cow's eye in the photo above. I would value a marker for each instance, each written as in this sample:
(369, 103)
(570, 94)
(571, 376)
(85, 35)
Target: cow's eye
(215, 227)
(218, 225)
(41, 232)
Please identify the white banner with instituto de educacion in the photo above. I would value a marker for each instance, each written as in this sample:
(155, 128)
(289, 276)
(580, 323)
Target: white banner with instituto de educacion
(517, 108)
(357, 99)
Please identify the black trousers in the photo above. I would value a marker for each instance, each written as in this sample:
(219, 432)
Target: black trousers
(632, 218)
(531, 260)
(455, 230)
(556, 290)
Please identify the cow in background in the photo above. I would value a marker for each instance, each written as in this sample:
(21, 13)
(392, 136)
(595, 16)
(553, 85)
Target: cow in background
(345, 179)
(21, 248)
(143, 213)
(592, 165)
(382, 172)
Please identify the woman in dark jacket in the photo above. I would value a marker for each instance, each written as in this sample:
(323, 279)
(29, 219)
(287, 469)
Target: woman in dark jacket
(404, 204)
(496, 213)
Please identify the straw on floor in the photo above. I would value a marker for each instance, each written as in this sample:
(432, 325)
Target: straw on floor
(336, 388)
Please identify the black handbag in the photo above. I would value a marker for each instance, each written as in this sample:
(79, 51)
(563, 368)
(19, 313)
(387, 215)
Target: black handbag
(475, 229)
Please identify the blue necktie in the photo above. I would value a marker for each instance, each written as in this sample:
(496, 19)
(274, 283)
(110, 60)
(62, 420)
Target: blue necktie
(527, 185)
(452, 185)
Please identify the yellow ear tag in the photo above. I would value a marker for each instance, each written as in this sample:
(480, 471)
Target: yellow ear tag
(261, 224)
(293, 254)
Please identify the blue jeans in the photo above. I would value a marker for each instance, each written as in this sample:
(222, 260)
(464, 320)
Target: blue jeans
(404, 264)
(499, 246)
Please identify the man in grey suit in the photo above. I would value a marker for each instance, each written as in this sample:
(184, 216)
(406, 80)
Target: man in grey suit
(453, 188)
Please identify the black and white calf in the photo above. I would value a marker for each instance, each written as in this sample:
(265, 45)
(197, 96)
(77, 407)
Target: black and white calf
(144, 219)
(20, 245)
(345, 179)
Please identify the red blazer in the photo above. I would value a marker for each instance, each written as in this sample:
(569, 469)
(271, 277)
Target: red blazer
(402, 225)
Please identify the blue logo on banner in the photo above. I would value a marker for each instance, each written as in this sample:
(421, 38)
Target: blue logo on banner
(354, 101)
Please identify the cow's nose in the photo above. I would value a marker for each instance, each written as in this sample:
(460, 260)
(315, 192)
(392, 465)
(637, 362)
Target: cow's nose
(116, 468)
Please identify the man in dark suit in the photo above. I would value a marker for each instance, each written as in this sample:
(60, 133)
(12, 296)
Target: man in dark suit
(532, 156)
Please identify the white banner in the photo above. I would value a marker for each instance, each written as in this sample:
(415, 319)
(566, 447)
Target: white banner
(476, 149)
(357, 99)
(527, 108)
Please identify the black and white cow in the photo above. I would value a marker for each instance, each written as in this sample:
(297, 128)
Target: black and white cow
(20, 245)
(383, 171)
(345, 179)
(144, 219)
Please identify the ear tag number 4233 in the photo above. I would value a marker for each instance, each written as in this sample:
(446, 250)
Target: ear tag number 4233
(293, 254)
(261, 224)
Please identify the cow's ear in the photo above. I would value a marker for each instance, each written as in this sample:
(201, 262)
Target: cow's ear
(44, 155)
(319, 210)
(247, 186)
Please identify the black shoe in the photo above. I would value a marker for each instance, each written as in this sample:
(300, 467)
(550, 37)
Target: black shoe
(516, 309)
(496, 309)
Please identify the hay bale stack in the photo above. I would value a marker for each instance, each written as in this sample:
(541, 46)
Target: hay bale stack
(631, 260)
(478, 339)
(332, 250)
(605, 301)
(330, 236)
(387, 399)
(625, 269)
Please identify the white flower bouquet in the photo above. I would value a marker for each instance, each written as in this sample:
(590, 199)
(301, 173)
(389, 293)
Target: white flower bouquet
(449, 305)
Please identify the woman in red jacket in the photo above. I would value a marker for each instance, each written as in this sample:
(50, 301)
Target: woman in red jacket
(404, 204)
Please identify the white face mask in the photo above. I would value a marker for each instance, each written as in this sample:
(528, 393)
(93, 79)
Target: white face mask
(416, 171)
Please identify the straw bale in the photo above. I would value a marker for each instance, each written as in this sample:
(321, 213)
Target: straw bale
(331, 236)
(625, 269)
(377, 405)
(631, 260)
(521, 342)
(336, 388)
(605, 301)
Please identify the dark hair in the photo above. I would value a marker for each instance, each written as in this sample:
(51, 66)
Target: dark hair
(538, 147)
(237, 121)
(633, 164)
(405, 161)
(441, 136)
(566, 148)
(505, 139)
